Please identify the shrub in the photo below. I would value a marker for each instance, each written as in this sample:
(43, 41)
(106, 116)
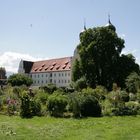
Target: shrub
(9, 102)
(25, 111)
(90, 106)
(134, 107)
(133, 82)
(35, 108)
(41, 97)
(132, 97)
(80, 84)
(50, 88)
(29, 107)
(106, 108)
(74, 104)
(12, 107)
(138, 96)
(124, 96)
(117, 97)
(129, 108)
(17, 90)
(57, 104)
(1, 104)
(1, 92)
(85, 103)
(101, 92)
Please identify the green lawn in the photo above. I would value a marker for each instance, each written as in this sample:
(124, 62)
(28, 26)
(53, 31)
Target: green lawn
(47, 128)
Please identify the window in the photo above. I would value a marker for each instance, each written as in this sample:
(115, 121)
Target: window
(38, 75)
(38, 82)
(46, 75)
(42, 75)
(46, 81)
(35, 75)
(68, 74)
(42, 82)
(62, 74)
(50, 74)
(62, 81)
(50, 80)
(59, 81)
(55, 74)
(65, 74)
(59, 74)
(65, 81)
(55, 81)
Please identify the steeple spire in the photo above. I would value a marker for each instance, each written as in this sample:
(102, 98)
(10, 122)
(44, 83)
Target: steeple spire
(109, 19)
(84, 28)
(85, 24)
(109, 24)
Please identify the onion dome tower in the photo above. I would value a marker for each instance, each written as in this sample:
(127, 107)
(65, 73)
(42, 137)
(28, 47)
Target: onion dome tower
(83, 29)
(110, 25)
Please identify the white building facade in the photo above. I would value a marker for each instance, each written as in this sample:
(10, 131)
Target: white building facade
(55, 71)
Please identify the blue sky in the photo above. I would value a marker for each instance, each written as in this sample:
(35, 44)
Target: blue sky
(42, 29)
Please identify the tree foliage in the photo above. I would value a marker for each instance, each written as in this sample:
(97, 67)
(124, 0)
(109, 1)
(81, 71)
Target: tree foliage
(19, 79)
(2, 73)
(100, 60)
(29, 107)
(133, 82)
(3, 76)
(85, 103)
(57, 104)
(80, 84)
(125, 66)
(76, 70)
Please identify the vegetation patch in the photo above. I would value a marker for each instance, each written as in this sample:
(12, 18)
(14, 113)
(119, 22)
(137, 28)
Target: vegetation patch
(41, 128)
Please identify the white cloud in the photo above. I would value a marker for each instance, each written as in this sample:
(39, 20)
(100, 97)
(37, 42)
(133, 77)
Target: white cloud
(122, 36)
(10, 60)
(132, 51)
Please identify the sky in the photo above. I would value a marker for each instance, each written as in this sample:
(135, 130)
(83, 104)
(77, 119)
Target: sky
(44, 29)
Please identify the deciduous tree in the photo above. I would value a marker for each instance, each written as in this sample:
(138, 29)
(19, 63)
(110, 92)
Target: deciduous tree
(19, 79)
(99, 58)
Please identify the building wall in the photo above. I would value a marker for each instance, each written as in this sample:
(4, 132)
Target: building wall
(59, 78)
(21, 68)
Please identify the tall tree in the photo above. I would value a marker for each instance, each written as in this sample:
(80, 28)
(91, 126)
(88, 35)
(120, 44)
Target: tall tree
(99, 54)
(3, 76)
(125, 66)
(2, 73)
(20, 79)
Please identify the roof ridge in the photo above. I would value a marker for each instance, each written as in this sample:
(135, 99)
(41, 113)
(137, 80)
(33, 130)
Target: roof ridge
(54, 59)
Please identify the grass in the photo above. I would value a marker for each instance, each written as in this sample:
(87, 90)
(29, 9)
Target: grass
(48, 128)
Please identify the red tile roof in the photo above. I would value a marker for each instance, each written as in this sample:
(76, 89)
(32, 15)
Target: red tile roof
(60, 64)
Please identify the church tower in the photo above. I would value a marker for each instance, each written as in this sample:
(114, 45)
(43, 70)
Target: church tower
(110, 25)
